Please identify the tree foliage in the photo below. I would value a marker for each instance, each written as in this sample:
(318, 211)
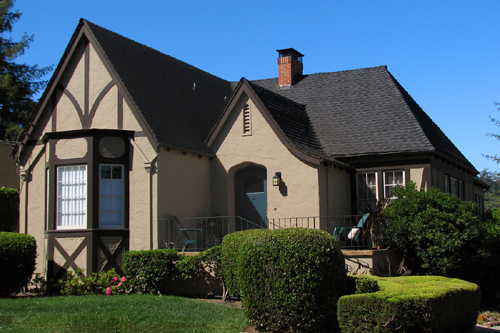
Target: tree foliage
(495, 121)
(492, 197)
(18, 82)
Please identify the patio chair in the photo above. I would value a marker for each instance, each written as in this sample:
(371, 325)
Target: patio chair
(187, 241)
(353, 233)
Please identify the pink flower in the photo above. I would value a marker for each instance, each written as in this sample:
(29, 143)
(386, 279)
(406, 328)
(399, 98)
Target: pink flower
(109, 291)
(120, 284)
(115, 279)
(119, 290)
(123, 279)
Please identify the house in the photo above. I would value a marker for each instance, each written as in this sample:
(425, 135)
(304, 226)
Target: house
(125, 136)
(8, 174)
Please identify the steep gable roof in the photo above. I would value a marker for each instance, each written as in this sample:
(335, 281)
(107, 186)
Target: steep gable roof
(293, 120)
(179, 102)
(288, 119)
(366, 112)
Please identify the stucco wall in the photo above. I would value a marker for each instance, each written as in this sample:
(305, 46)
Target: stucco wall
(339, 191)
(183, 184)
(297, 197)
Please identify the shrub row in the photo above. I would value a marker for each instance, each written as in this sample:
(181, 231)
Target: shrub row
(289, 279)
(147, 269)
(17, 261)
(152, 271)
(410, 304)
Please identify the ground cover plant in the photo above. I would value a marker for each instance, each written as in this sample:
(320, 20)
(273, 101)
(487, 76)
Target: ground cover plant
(127, 313)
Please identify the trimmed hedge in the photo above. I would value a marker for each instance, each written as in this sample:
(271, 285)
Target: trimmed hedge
(17, 261)
(289, 279)
(411, 304)
(229, 258)
(9, 208)
(146, 269)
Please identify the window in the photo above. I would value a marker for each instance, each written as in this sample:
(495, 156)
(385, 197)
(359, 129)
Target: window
(391, 180)
(111, 196)
(72, 197)
(454, 186)
(367, 188)
(446, 184)
(480, 202)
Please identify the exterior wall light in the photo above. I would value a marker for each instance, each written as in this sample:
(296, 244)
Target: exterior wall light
(277, 179)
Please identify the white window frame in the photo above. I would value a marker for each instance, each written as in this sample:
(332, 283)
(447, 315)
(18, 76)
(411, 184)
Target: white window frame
(71, 201)
(393, 185)
(114, 198)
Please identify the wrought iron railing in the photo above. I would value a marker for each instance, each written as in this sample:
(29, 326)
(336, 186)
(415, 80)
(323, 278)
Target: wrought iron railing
(200, 233)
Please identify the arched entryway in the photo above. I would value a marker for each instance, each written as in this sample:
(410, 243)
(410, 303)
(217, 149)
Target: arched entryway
(250, 193)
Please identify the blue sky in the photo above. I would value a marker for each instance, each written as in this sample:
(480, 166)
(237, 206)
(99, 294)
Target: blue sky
(444, 53)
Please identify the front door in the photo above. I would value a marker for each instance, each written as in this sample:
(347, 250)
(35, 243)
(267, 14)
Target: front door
(251, 194)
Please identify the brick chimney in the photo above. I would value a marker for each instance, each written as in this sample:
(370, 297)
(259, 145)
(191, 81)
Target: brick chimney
(289, 67)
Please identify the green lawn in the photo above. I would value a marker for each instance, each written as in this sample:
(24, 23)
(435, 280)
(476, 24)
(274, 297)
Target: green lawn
(124, 313)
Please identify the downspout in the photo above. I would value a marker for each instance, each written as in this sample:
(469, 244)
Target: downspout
(150, 168)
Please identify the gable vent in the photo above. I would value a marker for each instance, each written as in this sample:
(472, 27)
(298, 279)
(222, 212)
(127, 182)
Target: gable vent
(247, 124)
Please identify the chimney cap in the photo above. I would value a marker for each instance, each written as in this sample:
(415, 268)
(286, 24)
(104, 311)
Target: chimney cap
(290, 52)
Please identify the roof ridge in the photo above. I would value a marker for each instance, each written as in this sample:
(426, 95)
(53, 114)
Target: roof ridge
(90, 24)
(274, 93)
(325, 73)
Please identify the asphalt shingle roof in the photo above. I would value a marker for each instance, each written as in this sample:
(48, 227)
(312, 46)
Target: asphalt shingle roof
(365, 112)
(293, 120)
(179, 113)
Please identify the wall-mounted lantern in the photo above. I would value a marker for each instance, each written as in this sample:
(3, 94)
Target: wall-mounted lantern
(277, 179)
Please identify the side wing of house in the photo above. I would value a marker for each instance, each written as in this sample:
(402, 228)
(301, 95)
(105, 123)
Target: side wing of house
(85, 163)
(251, 150)
(8, 174)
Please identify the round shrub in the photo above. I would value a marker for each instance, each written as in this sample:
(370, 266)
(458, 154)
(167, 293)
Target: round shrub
(17, 261)
(290, 279)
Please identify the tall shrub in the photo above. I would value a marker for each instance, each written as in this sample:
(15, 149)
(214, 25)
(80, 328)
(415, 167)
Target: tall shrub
(17, 261)
(290, 279)
(9, 209)
(440, 234)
